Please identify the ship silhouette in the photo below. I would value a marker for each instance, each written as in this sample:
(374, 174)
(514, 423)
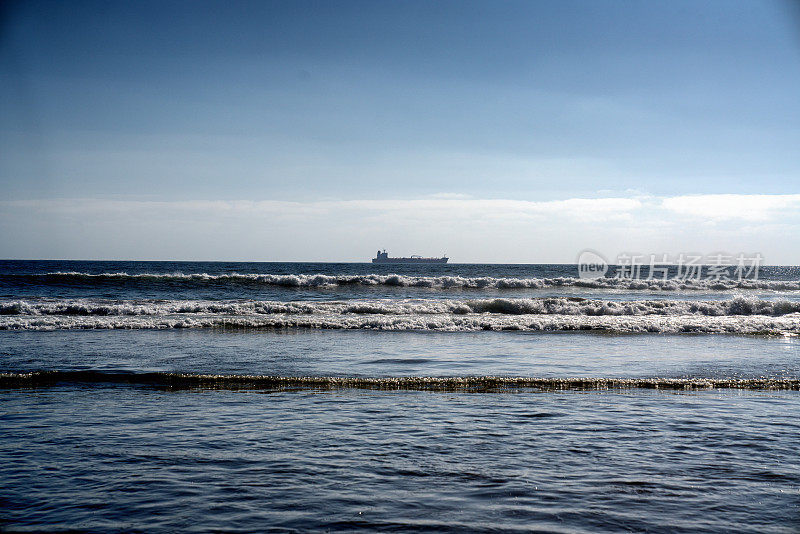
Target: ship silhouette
(383, 257)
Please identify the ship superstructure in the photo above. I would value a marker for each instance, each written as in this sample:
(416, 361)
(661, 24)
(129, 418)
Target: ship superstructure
(383, 257)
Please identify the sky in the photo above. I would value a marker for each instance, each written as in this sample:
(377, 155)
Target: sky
(502, 132)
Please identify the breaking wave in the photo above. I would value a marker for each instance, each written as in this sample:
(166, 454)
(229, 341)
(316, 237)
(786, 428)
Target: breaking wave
(455, 383)
(396, 280)
(739, 315)
(518, 306)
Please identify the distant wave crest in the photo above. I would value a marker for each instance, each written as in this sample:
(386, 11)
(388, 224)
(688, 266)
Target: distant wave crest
(396, 280)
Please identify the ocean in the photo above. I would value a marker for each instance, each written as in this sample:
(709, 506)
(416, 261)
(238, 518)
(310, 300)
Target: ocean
(213, 396)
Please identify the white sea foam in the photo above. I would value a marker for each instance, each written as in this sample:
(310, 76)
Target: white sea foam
(433, 282)
(485, 384)
(737, 315)
(513, 306)
(447, 323)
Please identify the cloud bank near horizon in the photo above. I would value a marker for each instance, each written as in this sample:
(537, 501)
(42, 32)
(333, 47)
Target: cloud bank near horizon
(467, 229)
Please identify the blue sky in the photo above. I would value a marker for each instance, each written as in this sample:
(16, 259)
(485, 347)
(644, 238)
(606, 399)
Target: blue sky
(324, 130)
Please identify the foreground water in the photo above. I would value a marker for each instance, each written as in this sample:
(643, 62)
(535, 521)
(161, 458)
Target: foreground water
(555, 404)
(131, 458)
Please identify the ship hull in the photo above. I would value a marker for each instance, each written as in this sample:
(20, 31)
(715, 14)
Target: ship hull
(409, 260)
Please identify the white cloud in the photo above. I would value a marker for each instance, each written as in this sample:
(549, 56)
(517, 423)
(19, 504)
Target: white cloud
(452, 196)
(469, 229)
(724, 207)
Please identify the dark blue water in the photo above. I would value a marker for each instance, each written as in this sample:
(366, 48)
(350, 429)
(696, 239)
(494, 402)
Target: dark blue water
(135, 459)
(97, 454)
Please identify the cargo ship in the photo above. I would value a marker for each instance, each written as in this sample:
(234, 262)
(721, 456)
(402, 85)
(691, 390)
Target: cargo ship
(383, 257)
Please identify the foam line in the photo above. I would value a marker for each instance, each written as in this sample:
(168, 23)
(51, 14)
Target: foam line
(396, 280)
(454, 383)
